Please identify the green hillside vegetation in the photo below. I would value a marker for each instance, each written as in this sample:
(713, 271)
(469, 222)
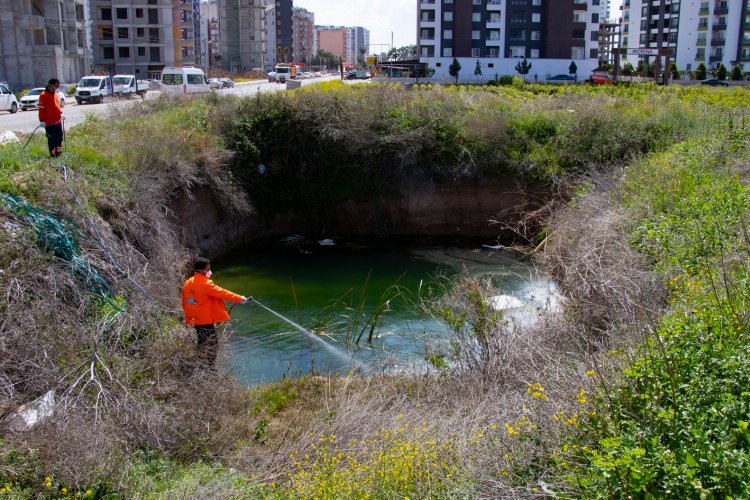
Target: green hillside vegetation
(640, 389)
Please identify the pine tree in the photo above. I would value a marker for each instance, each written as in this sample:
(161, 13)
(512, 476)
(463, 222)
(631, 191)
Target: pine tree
(454, 68)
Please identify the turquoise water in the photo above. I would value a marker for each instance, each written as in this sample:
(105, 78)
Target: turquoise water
(334, 291)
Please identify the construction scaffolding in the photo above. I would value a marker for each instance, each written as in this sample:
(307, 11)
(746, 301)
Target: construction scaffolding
(609, 39)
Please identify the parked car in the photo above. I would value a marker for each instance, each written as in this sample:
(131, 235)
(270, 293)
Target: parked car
(228, 83)
(215, 84)
(31, 99)
(272, 77)
(93, 88)
(8, 100)
(714, 82)
(561, 79)
(601, 79)
(358, 75)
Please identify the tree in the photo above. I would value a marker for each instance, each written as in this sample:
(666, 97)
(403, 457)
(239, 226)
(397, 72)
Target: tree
(674, 71)
(701, 72)
(721, 72)
(736, 73)
(402, 53)
(572, 69)
(478, 69)
(628, 70)
(454, 68)
(523, 68)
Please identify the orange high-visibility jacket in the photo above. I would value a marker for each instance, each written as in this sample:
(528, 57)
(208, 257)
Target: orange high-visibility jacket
(203, 301)
(49, 108)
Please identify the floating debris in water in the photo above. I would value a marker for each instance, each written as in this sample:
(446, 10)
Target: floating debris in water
(494, 247)
(326, 243)
(295, 238)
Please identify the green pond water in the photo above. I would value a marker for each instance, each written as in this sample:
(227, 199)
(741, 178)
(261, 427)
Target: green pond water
(335, 290)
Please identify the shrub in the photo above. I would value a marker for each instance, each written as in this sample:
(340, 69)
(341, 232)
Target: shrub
(736, 73)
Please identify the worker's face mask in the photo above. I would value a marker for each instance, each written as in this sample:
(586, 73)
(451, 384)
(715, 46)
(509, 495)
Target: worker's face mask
(208, 273)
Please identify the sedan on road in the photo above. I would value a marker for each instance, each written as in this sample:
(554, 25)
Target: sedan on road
(227, 83)
(714, 82)
(31, 99)
(8, 100)
(561, 79)
(215, 83)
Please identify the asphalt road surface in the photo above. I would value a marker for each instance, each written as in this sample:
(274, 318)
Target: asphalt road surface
(27, 121)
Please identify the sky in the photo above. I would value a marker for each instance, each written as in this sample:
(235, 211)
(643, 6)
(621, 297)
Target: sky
(381, 17)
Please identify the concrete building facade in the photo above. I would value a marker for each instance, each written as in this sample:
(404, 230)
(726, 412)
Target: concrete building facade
(141, 37)
(711, 32)
(497, 33)
(336, 40)
(302, 34)
(242, 34)
(209, 33)
(42, 39)
(269, 60)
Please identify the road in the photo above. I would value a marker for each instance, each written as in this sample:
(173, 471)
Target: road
(27, 121)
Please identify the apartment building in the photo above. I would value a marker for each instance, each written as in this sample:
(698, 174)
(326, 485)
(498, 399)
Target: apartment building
(209, 33)
(242, 40)
(284, 31)
(42, 39)
(336, 40)
(303, 22)
(360, 43)
(711, 32)
(269, 60)
(550, 33)
(141, 37)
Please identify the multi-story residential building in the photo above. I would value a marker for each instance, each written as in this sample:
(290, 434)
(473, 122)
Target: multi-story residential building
(284, 31)
(242, 26)
(550, 33)
(302, 34)
(360, 43)
(42, 40)
(270, 21)
(336, 40)
(209, 33)
(712, 32)
(141, 37)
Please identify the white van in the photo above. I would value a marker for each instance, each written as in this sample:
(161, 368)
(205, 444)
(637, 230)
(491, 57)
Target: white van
(93, 88)
(181, 81)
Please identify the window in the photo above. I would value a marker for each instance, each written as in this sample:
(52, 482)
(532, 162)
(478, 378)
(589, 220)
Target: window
(447, 1)
(153, 35)
(122, 13)
(140, 33)
(536, 2)
(153, 16)
(170, 79)
(475, 35)
(108, 52)
(577, 53)
(594, 36)
(106, 33)
(494, 35)
(155, 54)
(475, 52)
(594, 54)
(536, 36)
(139, 13)
(123, 51)
(476, 17)
(534, 54)
(123, 33)
(4, 90)
(448, 16)
(141, 51)
(448, 34)
(196, 79)
(492, 53)
(595, 18)
(579, 34)
(536, 17)
(477, 2)
(447, 52)
(106, 14)
(517, 51)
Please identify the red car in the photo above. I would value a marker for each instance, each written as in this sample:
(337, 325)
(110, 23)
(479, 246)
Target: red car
(601, 79)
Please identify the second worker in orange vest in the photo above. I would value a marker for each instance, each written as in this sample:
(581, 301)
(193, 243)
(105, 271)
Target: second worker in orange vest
(203, 303)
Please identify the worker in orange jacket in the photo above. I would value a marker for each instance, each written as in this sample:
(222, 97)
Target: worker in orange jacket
(203, 303)
(50, 117)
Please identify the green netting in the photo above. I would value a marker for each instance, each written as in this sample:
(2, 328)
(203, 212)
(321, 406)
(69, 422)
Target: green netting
(60, 237)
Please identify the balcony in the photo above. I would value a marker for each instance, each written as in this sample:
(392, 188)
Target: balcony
(494, 4)
(720, 27)
(715, 58)
(494, 24)
(492, 42)
(427, 4)
(33, 22)
(721, 11)
(718, 42)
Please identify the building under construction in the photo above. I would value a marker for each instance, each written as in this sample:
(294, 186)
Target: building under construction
(609, 39)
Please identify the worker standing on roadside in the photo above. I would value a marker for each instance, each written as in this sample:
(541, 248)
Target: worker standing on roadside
(203, 303)
(50, 116)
